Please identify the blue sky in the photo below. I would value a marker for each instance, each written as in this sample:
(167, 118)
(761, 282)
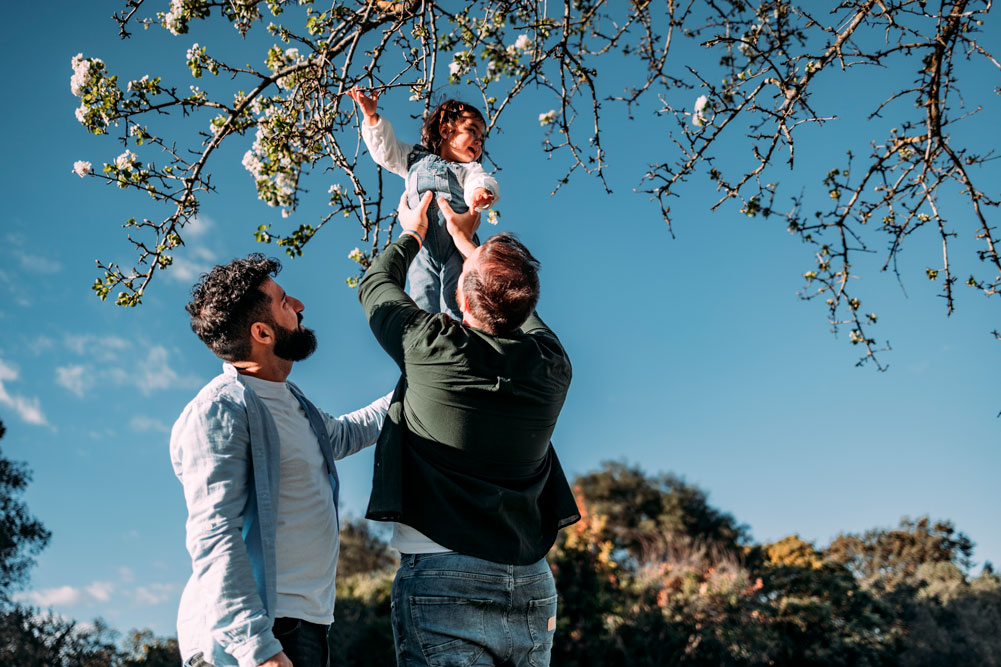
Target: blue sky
(692, 355)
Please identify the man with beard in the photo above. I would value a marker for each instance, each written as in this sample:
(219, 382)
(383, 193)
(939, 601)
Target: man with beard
(256, 460)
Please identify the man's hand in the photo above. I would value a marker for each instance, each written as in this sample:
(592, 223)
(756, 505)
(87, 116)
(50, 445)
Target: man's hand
(415, 219)
(482, 198)
(277, 660)
(461, 226)
(369, 105)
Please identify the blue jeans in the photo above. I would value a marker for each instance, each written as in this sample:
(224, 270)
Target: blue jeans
(434, 273)
(451, 610)
(304, 643)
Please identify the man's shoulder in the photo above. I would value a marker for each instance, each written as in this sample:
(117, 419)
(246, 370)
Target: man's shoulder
(223, 391)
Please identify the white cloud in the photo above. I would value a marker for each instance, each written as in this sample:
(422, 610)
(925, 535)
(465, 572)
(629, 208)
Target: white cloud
(28, 409)
(154, 593)
(188, 268)
(67, 596)
(126, 573)
(116, 360)
(104, 348)
(37, 264)
(48, 597)
(101, 590)
(197, 227)
(155, 373)
(141, 423)
(75, 378)
(41, 344)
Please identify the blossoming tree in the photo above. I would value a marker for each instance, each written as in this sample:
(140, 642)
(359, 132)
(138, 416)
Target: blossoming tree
(755, 88)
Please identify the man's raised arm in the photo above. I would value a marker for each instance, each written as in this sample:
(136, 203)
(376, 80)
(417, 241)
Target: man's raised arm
(387, 306)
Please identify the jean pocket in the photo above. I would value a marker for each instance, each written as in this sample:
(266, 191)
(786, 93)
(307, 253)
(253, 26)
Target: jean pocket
(542, 626)
(450, 630)
(284, 627)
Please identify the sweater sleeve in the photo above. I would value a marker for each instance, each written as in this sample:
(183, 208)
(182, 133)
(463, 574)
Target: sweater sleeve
(477, 177)
(356, 430)
(391, 313)
(387, 151)
(210, 451)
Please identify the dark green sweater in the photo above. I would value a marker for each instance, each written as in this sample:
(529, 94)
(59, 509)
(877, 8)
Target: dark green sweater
(464, 455)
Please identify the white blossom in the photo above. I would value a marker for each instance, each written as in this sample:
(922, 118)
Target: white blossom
(81, 168)
(548, 117)
(81, 114)
(81, 73)
(355, 255)
(126, 160)
(193, 53)
(523, 43)
(699, 118)
(252, 164)
(173, 19)
(454, 68)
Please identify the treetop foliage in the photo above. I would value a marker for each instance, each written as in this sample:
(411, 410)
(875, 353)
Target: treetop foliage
(22, 536)
(734, 115)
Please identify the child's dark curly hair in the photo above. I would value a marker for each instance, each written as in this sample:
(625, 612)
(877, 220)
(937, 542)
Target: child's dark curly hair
(440, 122)
(227, 300)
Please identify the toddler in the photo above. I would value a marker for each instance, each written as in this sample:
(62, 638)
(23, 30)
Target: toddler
(446, 162)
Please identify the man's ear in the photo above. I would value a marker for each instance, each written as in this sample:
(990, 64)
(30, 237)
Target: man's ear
(261, 332)
(460, 299)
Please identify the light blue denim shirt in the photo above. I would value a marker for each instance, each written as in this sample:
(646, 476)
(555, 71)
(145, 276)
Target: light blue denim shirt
(224, 449)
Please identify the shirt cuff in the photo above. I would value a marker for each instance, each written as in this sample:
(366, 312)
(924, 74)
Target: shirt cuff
(410, 232)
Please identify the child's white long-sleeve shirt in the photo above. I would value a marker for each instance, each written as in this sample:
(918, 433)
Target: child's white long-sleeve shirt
(391, 153)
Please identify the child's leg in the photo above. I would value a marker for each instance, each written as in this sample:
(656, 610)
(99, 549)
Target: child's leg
(424, 272)
(434, 273)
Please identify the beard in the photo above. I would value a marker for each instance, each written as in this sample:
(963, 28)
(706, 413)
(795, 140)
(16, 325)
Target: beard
(294, 344)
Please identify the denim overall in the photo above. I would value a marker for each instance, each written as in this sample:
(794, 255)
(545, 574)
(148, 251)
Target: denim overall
(434, 273)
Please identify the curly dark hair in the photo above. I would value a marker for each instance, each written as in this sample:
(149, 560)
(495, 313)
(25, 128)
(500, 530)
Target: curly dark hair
(502, 291)
(227, 300)
(440, 122)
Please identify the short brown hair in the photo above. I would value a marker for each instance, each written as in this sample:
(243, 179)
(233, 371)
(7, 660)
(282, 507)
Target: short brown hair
(227, 300)
(504, 288)
(442, 120)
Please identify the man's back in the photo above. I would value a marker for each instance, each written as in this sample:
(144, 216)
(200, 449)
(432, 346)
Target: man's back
(464, 456)
(496, 398)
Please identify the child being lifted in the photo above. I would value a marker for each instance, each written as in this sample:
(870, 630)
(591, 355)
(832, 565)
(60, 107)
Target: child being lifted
(446, 163)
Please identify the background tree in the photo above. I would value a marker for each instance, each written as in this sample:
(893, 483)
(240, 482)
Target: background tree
(21, 535)
(31, 637)
(921, 572)
(649, 516)
(888, 597)
(751, 94)
(361, 634)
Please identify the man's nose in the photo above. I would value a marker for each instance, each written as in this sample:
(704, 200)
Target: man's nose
(297, 305)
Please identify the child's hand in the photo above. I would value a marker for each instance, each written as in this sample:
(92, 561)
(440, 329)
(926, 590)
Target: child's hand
(482, 198)
(369, 105)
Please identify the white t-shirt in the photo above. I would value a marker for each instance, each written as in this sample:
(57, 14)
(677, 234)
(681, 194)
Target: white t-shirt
(408, 540)
(306, 539)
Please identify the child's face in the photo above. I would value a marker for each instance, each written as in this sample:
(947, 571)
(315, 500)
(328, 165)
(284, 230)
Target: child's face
(464, 142)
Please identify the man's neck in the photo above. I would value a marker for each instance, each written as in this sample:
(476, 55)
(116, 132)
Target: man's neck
(276, 370)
